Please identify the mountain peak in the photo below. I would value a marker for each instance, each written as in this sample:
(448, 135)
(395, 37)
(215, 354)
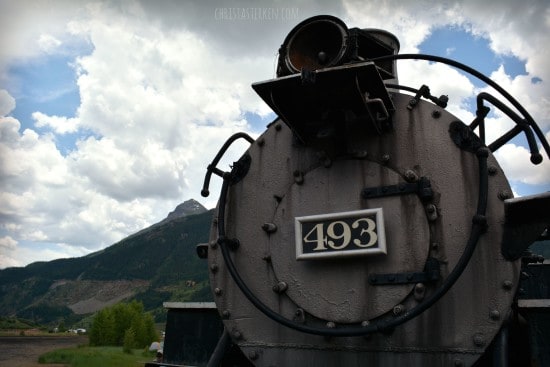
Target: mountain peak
(186, 208)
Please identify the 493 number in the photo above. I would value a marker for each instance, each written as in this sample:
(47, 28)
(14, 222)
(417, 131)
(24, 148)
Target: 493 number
(339, 234)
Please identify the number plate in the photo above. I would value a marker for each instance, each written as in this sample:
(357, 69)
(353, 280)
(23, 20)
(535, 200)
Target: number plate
(352, 233)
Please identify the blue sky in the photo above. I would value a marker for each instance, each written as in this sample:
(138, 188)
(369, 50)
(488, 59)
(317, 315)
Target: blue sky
(111, 111)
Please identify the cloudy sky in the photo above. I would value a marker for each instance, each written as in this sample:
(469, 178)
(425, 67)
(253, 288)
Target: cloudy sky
(110, 111)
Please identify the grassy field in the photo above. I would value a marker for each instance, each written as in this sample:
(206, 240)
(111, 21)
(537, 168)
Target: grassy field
(85, 356)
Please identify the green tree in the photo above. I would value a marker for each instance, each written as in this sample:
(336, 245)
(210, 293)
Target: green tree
(111, 326)
(102, 331)
(129, 341)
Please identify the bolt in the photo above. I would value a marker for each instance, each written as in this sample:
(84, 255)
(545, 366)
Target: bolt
(360, 154)
(479, 341)
(237, 335)
(269, 227)
(436, 114)
(260, 142)
(365, 323)
(432, 212)
(419, 291)
(213, 244)
(398, 310)
(492, 170)
(226, 314)
(385, 158)
(331, 325)
(218, 291)
(504, 194)
(298, 177)
(278, 127)
(280, 287)
(411, 176)
(494, 315)
(507, 284)
(327, 162)
(214, 268)
(253, 355)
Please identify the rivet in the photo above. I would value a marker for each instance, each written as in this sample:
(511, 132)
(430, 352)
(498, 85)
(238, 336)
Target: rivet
(398, 310)
(419, 291)
(494, 315)
(213, 244)
(479, 341)
(432, 212)
(298, 177)
(269, 227)
(218, 291)
(436, 114)
(214, 268)
(260, 142)
(360, 154)
(331, 325)
(504, 194)
(492, 170)
(280, 287)
(385, 158)
(411, 176)
(237, 335)
(278, 127)
(507, 284)
(226, 314)
(365, 323)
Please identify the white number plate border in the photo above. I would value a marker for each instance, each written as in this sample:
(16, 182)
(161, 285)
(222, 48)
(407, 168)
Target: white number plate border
(379, 248)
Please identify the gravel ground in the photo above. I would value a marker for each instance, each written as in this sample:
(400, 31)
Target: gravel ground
(23, 351)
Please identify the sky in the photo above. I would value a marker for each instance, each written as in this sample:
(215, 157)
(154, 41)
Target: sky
(110, 111)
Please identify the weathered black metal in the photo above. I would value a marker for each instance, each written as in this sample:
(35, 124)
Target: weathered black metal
(424, 91)
(431, 273)
(422, 188)
(323, 107)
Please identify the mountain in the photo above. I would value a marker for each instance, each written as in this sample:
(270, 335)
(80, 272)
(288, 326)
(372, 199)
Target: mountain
(155, 265)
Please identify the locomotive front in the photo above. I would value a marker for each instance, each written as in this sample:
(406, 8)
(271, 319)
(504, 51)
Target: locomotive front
(366, 226)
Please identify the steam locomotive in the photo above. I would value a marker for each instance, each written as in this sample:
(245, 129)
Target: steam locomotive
(369, 226)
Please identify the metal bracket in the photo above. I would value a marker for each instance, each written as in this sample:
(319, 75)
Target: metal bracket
(422, 188)
(431, 274)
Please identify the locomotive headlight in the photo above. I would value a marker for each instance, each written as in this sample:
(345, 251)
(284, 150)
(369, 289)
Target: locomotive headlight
(326, 91)
(315, 43)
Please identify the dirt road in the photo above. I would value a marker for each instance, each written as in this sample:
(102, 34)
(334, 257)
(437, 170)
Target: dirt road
(23, 351)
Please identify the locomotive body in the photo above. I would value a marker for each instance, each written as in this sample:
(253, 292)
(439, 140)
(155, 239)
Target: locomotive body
(364, 226)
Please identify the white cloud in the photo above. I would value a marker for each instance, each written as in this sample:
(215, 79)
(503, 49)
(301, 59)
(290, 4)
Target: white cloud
(7, 242)
(48, 43)
(59, 124)
(7, 102)
(514, 160)
(164, 85)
